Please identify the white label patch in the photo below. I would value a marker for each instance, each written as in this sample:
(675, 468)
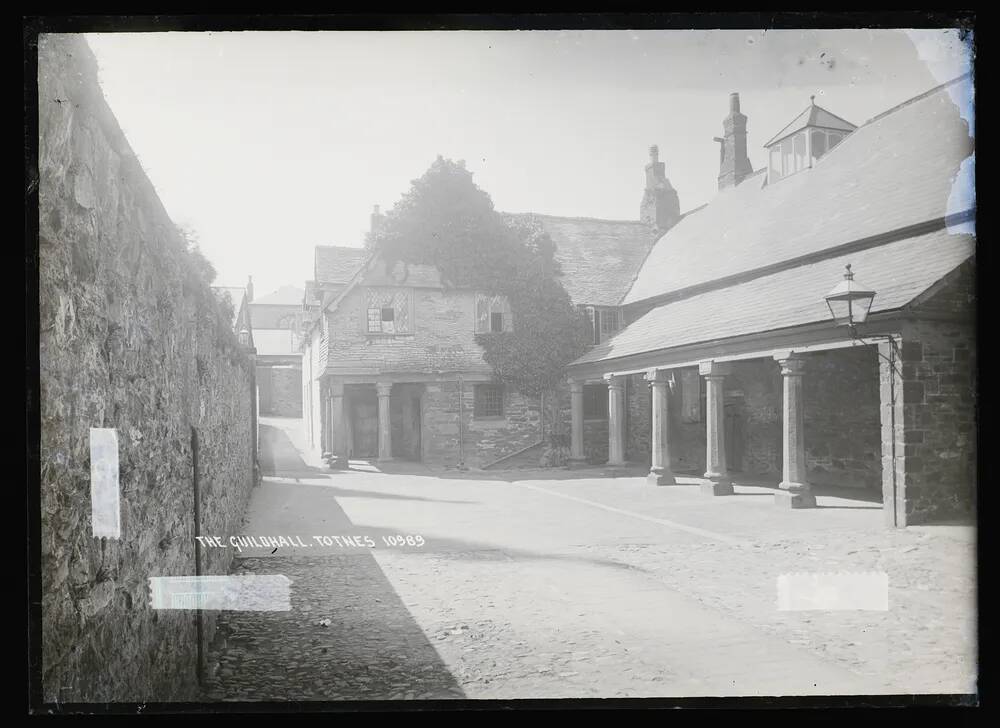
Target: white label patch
(833, 591)
(105, 514)
(243, 593)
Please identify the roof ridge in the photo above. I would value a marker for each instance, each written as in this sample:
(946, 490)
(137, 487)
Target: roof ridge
(577, 217)
(918, 97)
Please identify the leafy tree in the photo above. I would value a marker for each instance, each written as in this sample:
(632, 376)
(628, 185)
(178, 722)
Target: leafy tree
(445, 220)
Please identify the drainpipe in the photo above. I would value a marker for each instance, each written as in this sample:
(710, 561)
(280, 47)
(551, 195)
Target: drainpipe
(461, 423)
(892, 422)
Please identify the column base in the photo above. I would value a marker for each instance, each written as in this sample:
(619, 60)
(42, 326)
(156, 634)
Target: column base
(615, 463)
(794, 496)
(717, 485)
(660, 476)
(388, 459)
(574, 463)
(338, 463)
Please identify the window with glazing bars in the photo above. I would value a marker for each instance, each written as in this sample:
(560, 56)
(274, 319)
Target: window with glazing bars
(388, 311)
(488, 400)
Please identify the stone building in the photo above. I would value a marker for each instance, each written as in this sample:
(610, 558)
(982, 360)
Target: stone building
(730, 365)
(276, 334)
(715, 354)
(391, 365)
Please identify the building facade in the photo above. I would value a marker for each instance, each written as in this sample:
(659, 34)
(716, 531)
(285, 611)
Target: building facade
(714, 353)
(277, 321)
(730, 365)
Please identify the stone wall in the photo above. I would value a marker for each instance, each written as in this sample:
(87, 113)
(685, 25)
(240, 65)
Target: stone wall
(842, 426)
(935, 423)
(483, 440)
(280, 390)
(131, 338)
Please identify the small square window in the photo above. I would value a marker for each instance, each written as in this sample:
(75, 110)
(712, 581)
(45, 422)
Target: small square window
(388, 314)
(488, 400)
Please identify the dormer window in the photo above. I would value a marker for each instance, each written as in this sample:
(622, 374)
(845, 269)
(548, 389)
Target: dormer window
(800, 145)
(605, 321)
(493, 314)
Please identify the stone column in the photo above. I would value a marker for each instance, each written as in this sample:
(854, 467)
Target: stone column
(576, 426)
(660, 473)
(795, 491)
(326, 418)
(717, 480)
(384, 423)
(616, 419)
(337, 426)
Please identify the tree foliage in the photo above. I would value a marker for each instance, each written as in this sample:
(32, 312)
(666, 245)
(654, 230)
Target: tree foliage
(445, 220)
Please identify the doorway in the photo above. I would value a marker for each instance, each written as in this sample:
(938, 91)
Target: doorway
(735, 428)
(406, 414)
(363, 411)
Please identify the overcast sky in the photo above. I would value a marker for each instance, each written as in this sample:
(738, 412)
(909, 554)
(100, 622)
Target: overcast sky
(269, 143)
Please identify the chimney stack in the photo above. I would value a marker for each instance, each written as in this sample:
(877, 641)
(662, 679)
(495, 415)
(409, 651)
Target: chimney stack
(375, 222)
(734, 164)
(660, 206)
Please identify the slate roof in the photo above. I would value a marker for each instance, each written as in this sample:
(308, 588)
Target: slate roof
(813, 116)
(599, 258)
(337, 264)
(284, 296)
(898, 272)
(896, 170)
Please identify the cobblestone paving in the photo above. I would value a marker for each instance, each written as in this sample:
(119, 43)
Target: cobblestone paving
(584, 585)
(371, 649)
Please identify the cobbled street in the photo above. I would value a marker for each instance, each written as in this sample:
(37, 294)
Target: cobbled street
(561, 584)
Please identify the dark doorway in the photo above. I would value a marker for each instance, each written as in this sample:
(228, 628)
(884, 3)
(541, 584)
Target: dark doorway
(364, 422)
(735, 435)
(405, 411)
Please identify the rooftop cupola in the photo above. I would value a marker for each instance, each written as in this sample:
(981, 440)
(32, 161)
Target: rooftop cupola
(808, 137)
(660, 206)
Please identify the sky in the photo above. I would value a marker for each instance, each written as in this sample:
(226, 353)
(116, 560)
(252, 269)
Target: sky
(266, 144)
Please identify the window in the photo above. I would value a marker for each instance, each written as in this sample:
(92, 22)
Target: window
(799, 142)
(488, 400)
(610, 321)
(595, 401)
(492, 314)
(603, 322)
(388, 311)
(818, 144)
(775, 170)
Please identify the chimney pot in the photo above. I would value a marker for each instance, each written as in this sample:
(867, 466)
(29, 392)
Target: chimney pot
(734, 103)
(654, 154)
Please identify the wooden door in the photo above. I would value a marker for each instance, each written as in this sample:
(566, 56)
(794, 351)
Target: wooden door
(364, 421)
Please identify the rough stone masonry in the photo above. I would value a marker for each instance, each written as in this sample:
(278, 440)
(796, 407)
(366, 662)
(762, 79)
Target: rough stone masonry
(131, 338)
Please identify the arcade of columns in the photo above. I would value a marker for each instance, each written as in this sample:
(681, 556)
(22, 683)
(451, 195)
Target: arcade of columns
(794, 489)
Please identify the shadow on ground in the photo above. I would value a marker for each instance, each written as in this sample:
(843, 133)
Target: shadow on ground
(371, 648)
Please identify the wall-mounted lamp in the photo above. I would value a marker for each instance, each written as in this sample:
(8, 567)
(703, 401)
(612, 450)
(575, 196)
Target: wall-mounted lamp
(849, 301)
